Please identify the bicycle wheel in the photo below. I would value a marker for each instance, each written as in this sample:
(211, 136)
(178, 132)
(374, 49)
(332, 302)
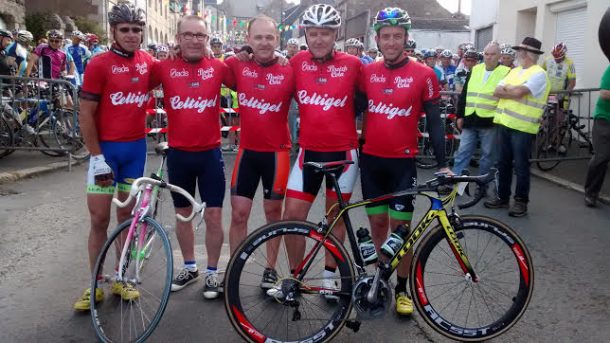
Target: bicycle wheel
(45, 135)
(118, 320)
(549, 147)
(6, 138)
(291, 310)
(68, 134)
(462, 309)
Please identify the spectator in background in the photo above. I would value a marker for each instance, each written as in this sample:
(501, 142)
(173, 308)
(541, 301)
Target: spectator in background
(79, 53)
(523, 95)
(447, 69)
(373, 53)
(42, 40)
(292, 47)
(17, 52)
(355, 47)
(6, 39)
(410, 47)
(507, 57)
(562, 75)
(476, 110)
(469, 60)
(162, 52)
(430, 61)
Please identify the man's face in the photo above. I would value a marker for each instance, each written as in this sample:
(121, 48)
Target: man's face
(263, 38)
(506, 60)
(522, 57)
(491, 56)
(372, 54)
(430, 61)
(55, 43)
(409, 52)
(391, 41)
(352, 50)
(6, 41)
(192, 39)
(75, 40)
(292, 49)
(559, 60)
(162, 55)
(128, 36)
(216, 49)
(320, 41)
(469, 63)
(445, 61)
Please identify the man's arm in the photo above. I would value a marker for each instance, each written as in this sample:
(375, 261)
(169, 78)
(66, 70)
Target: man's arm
(511, 92)
(72, 68)
(461, 105)
(605, 94)
(571, 84)
(435, 130)
(32, 60)
(86, 116)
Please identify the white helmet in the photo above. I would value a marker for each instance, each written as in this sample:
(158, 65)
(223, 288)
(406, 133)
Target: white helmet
(354, 42)
(321, 15)
(508, 51)
(24, 36)
(162, 48)
(293, 41)
(446, 53)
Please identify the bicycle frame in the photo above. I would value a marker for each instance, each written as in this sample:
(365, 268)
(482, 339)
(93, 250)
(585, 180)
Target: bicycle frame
(436, 211)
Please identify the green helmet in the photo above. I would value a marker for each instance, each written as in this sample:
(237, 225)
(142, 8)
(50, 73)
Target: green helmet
(392, 16)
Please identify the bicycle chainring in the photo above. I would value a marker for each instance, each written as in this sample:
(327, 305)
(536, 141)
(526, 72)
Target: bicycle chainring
(365, 309)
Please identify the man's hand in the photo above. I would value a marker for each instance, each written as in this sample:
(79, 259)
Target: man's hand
(174, 52)
(243, 56)
(459, 123)
(101, 171)
(446, 171)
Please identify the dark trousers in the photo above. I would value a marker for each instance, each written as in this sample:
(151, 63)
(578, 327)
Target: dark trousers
(599, 162)
(514, 146)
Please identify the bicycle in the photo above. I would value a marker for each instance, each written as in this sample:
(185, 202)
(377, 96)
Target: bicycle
(140, 253)
(477, 256)
(426, 158)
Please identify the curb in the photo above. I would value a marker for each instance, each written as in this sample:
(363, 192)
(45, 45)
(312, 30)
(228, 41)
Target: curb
(566, 184)
(17, 175)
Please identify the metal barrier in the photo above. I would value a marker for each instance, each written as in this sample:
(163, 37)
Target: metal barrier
(40, 115)
(565, 130)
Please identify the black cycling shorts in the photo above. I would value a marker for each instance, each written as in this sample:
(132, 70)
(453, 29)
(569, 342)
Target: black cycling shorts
(251, 166)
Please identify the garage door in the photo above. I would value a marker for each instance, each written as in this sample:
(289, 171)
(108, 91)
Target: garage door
(483, 37)
(571, 30)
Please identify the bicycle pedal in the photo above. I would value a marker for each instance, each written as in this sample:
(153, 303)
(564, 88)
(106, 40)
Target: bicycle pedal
(353, 324)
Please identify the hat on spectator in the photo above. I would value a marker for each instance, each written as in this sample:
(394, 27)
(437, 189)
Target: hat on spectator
(530, 44)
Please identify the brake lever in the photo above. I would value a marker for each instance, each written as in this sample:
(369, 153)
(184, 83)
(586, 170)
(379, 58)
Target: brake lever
(200, 220)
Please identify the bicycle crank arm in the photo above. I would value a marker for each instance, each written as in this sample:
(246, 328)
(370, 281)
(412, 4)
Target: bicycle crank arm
(371, 296)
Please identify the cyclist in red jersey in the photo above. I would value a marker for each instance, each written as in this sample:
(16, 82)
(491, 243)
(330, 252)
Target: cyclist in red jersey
(398, 89)
(191, 88)
(326, 82)
(264, 90)
(112, 120)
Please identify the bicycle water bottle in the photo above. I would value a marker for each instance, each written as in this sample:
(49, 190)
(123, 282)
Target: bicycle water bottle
(393, 244)
(367, 248)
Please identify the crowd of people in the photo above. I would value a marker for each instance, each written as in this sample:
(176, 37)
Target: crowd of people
(503, 93)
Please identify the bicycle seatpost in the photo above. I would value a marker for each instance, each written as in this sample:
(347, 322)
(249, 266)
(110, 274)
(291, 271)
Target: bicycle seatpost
(335, 183)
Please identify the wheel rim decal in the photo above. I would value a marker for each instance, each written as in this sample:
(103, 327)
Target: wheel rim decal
(522, 263)
(252, 332)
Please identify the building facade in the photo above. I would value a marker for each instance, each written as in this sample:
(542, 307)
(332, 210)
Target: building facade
(574, 22)
(12, 14)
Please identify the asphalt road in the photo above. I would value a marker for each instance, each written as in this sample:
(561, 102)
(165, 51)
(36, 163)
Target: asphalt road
(43, 269)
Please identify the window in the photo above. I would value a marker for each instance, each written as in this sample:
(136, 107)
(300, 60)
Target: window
(483, 37)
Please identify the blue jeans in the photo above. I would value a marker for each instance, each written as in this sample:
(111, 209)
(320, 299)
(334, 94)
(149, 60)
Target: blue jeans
(468, 145)
(514, 146)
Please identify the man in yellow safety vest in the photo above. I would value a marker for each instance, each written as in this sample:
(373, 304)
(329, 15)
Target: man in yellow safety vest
(523, 95)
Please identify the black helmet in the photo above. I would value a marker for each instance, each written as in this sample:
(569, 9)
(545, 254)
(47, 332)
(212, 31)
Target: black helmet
(152, 46)
(55, 34)
(215, 41)
(5, 33)
(125, 13)
(411, 44)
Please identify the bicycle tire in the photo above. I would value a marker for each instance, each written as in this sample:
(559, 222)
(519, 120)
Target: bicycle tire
(46, 135)
(103, 314)
(69, 136)
(423, 276)
(6, 138)
(546, 149)
(249, 322)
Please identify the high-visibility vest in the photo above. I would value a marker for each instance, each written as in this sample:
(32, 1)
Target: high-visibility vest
(522, 114)
(480, 96)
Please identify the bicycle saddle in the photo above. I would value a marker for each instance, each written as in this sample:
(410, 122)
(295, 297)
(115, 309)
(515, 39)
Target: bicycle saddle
(327, 167)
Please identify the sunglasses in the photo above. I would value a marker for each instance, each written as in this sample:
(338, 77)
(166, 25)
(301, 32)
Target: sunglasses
(132, 29)
(55, 40)
(198, 36)
(390, 16)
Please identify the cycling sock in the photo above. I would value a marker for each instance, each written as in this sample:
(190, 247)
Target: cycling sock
(191, 266)
(330, 269)
(329, 272)
(401, 285)
(211, 270)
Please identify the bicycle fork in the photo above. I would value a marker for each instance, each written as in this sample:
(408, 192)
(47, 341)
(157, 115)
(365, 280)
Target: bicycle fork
(452, 239)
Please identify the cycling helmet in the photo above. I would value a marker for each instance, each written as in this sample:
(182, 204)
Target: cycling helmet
(411, 44)
(429, 53)
(77, 34)
(125, 13)
(55, 34)
(162, 48)
(418, 54)
(293, 41)
(559, 50)
(24, 36)
(373, 50)
(354, 42)
(446, 53)
(152, 46)
(508, 51)
(392, 16)
(92, 38)
(5, 33)
(471, 54)
(321, 15)
(215, 41)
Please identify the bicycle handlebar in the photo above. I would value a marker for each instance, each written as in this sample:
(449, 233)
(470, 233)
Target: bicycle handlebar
(480, 180)
(140, 182)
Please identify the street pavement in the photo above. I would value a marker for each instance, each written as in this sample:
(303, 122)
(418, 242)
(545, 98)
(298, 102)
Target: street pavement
(43, 268)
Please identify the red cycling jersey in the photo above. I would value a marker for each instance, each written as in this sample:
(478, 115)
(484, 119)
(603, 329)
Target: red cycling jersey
(122, 86)
(264, 94)
(395, 100)
(325, 94)
(191, 96)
